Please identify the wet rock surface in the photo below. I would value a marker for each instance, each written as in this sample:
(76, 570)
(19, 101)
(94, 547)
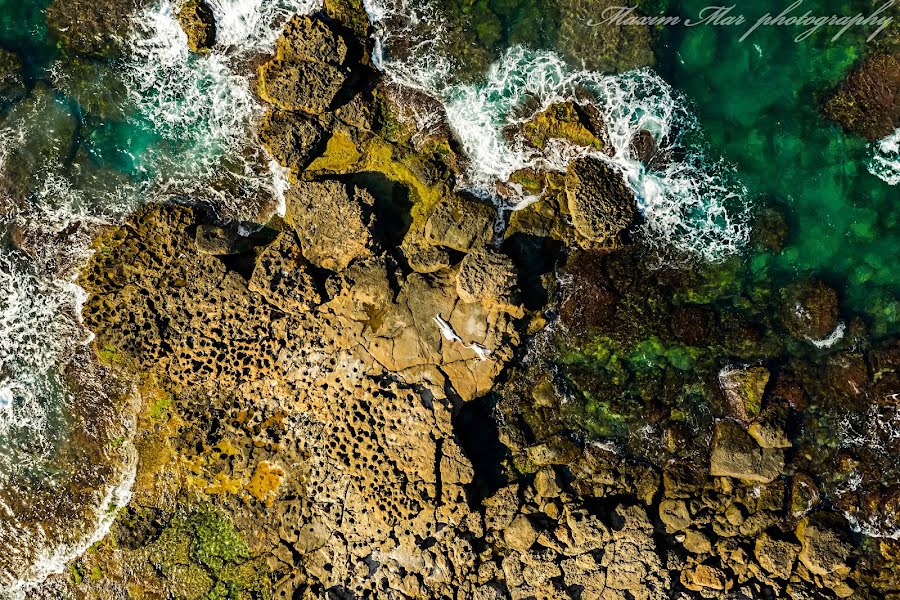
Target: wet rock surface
(868, 102)
(366, 400)
(199, 24)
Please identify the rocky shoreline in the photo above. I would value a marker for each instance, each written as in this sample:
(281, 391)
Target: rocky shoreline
(396, 390)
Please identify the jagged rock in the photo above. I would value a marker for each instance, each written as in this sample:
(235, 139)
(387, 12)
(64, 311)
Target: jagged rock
(520, 534)
(600, 203)
(644, 148)
(92, 27)
(674, 515)
(735, 454)
(630, 558)
(220, 240)
(744, 389)
(282, 278)
(304, 86)
(460, 224)
(423, 258)
(769, 429)
(199, 23)
(703, 577)
(810, 310)
(868, 102)
(776, 556)
(308, 39)
(332, 221)
(696, 542)
(823, 551)
(489, 277)
(306, 73)
(579, 124)
(292, 138)
(847, 375)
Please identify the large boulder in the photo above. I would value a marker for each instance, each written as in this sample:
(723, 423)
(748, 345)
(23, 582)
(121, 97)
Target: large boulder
(736, 454)
(306, 86)
(332, 222)
(489, 277)
(307, 72)
(199, 23)
(292, 138)
(823, 551)
(810, 310)
(580, 125)
(600, 203)
(460, 224)
(868, 102)
(744, 389)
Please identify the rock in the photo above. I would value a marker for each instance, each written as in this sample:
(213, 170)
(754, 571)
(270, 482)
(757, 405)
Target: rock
(674, 515)
(600, 203)
(292, 139)
(520, 534)
(744, 389)
(304, 86)
(306, 73)
(10, 73)
(769, 429)
(644, 148)
(460, 224)
(770, 230)
(220, 240)
(847, 375)
(282, 278)
(703, 577)
(489, 277)
(594, 44)
(332, 222)
(92, 27)
(696, 542)
(810, 310)
(308, 39)
(823, 551)
(423, 258)
(775, 556)
(199, 23)
(735, 454)
(804, 495)
(868, 102)
(581, 125)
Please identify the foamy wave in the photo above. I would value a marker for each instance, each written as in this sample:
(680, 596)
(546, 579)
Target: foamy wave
(694, 205)
(886, 161)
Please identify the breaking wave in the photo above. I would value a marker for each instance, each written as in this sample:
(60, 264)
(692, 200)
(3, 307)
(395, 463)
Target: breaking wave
(190, 122)
(886, 161)
(694, 205)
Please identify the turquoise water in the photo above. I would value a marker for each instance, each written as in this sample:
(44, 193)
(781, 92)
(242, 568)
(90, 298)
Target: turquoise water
(758, 103)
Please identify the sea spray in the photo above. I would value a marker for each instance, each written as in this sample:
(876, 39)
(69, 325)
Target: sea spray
(195, 117)
(885, 163)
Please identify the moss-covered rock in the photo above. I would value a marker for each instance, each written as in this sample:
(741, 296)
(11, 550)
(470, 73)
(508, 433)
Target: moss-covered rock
(581, 125)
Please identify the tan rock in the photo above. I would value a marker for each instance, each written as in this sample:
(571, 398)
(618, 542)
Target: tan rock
(460, 224)
(744, 389)
(601, 205)
(703, 577)
(489, 277)
(520, 534)
(735, 454)
(675, 515)
(776, 556)
(823, 551)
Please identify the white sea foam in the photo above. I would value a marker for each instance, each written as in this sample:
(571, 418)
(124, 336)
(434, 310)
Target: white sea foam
(693, 205)
(202, 112)
(885, 163)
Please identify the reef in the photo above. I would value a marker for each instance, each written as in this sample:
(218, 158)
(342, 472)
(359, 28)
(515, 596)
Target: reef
(868, 102)
(394, 390)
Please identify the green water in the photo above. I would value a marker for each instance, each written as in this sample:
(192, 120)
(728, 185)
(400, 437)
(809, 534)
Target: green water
(757, 101)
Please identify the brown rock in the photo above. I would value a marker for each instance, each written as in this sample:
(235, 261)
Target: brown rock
(674, 514)
(769, 429)
(601, 205)
(292, 139)
(744, 389)
(331, 221)
(489, 277)
(776, 556)
(304, 86)
(736, 454)
(460, 224)
(810, 310)
(823, 551)
(520, 534)
(703, 577)
(199, 23)
(868, 102)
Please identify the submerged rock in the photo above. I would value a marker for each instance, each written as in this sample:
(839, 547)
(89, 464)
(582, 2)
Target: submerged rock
(93, 27)
(591, 43)
(199, 23)
(10, 74)
(868, 102)
(810, 310)
(600, 203)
